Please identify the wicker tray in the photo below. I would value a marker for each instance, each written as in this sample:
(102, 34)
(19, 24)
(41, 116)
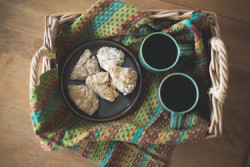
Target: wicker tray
(218, 67)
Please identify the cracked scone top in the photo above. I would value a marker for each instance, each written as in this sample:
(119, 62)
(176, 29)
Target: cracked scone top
(100, 83)
(123, 78)
(84, 98)
(108, 57)
(86, 65)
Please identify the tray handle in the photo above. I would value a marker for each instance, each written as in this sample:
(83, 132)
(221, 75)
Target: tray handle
(47, 52)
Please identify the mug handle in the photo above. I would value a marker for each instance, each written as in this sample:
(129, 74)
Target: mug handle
(186, 49)
(176, 120)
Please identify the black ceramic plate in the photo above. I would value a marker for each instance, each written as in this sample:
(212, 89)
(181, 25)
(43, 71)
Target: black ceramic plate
(107, 110)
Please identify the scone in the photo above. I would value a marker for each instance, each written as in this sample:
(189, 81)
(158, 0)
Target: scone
(100, 83)
(92, 66)
(124, 79)
(108, 57)
(84, 98)
(86, 66)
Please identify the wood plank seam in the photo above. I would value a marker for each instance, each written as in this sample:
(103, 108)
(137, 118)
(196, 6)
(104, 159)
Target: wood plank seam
(190, 7)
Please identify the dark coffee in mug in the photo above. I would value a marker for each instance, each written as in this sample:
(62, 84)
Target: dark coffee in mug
(178, 93)
(159, 51)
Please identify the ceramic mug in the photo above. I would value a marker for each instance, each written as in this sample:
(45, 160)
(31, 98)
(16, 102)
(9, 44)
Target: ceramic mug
(178, 94)
(160, 52)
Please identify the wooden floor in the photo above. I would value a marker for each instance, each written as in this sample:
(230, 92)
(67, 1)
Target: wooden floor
(21, 34)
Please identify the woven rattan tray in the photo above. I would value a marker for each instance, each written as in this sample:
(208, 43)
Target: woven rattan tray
(218, 68)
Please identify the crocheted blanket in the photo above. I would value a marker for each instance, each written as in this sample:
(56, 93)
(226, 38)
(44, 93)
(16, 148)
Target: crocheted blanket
(143, 137)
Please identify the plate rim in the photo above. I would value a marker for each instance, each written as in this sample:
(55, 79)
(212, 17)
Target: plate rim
(134, 100)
